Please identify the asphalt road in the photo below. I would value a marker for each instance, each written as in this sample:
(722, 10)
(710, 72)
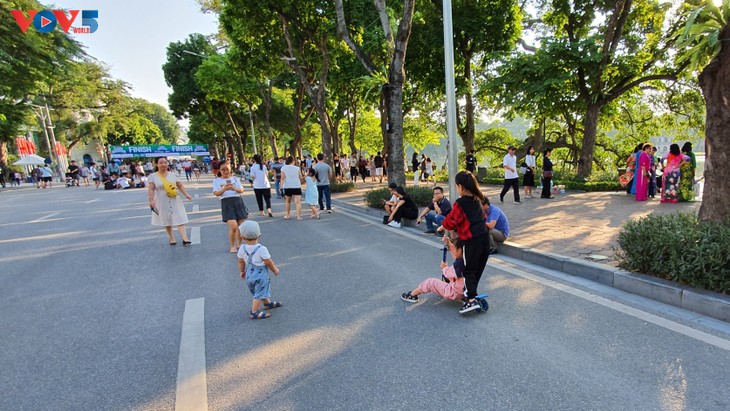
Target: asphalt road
(93, 301)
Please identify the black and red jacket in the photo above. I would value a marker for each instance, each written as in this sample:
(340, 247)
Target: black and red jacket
(467, 218)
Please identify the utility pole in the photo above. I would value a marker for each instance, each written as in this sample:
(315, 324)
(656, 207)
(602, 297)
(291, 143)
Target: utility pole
(450, 98)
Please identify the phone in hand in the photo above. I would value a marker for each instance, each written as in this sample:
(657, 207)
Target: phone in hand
(154, 210)
(228, 181)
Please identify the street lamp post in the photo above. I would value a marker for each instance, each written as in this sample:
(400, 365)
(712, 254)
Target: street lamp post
(450, 97)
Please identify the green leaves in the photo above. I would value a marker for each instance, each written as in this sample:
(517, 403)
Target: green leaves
(698, 41)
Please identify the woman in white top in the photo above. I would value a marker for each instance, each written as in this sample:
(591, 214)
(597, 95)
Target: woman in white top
(168, 209)
(429, 170)
(261, 186)
(291, 180)
(233, 210)
(529, 179)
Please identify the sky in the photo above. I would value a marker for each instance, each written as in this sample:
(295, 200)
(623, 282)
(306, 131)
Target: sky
(133, 35)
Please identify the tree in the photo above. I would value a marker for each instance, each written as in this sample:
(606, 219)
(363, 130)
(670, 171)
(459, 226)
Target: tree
(595, 53)
(482, 29)
(706, 38)
(26, 61)
(395, 48)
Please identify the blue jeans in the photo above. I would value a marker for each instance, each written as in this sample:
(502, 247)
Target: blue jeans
(324, 191)
(279, 193)
(433, 220)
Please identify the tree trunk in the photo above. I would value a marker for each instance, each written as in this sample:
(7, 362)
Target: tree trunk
(4, 156)
(715, 84)
(590, 129)
(383, 109)
(352, 121)
(266, 93)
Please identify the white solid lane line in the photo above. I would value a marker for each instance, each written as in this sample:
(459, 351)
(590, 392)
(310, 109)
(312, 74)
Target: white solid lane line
(195, 235)
(192, 385)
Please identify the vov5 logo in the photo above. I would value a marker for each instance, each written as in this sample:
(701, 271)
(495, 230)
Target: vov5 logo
(46, 20)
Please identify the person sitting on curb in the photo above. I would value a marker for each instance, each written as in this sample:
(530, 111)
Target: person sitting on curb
(388, 205)
(497, 223)
(436, 212)
(404, 208)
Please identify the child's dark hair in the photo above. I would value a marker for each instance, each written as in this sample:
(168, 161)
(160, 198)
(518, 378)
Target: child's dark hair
(457, 243)
(469, 183)
(312, 172)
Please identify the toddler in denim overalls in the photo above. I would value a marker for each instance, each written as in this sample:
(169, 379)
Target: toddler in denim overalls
(255, 264)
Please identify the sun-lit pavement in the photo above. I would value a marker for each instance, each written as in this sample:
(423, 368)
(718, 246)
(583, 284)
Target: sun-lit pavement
(575, 224)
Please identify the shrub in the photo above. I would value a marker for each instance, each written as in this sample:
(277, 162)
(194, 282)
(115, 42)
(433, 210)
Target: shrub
(678, 248)
(341, 187)
(422, 196)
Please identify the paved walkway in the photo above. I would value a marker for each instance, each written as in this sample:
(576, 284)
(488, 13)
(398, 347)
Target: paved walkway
(575, 224)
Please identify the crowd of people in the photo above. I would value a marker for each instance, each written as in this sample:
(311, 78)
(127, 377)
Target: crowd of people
(672, 176)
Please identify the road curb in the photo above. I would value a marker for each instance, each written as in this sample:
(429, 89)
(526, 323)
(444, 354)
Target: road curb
(714, 305)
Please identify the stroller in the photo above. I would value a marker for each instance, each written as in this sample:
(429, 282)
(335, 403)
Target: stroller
(71, 180)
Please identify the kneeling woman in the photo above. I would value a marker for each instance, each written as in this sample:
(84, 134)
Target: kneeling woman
(234, 212)
(405, 207)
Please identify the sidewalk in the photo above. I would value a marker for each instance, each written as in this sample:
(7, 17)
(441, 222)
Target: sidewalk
(576, 224)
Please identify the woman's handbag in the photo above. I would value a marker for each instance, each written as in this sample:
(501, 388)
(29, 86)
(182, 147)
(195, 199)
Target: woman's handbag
(170, 188)
(547, 174)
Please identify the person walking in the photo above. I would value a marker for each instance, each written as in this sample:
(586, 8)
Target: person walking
(511, 178)
(291, 180)
(467, 219)
(254, 265)
(547, 174)
(310, 194)
(378, 160)
(643, 173)
(168, 209)
(324, 173)
(471, 162)
(233, 209)
(261, 186)
(528, 181)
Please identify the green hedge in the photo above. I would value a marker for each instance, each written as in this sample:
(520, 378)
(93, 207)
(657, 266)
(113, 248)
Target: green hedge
(341, 187)
(571, 185)
(678, 248)
(422, 196)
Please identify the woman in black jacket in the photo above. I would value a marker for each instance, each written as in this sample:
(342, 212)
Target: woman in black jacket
(547, 174)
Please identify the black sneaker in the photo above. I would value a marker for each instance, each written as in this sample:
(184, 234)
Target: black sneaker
(470, 306)
(408, 297)
(430, 231)
(493, 251)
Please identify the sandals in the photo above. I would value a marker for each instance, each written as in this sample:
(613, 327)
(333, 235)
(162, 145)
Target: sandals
(258, 315)
(273, 304)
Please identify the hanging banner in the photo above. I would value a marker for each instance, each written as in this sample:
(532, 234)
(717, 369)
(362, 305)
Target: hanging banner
(160, 150)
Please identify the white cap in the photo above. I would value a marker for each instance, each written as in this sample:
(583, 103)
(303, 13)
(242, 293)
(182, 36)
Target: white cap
(250, 230)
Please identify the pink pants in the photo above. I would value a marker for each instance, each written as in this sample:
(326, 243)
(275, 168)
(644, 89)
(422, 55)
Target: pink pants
(452, 291)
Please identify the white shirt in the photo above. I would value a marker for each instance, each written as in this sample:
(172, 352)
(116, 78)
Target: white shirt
(530, 161)
(257, 258)
(510, 161)
(291, 174)
(260, 177)
(219, 182)
(123, 182)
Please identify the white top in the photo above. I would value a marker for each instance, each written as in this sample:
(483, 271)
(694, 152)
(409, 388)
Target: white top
(123, 182)
(258, 257)
(260, 177)
(429, 167)
(219, 182)
(530, 161)
(345, 162)
(291, 173)
(510, 161)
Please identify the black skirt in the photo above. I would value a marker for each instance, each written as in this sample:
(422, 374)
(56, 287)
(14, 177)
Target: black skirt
(529, 178)
(233, 208)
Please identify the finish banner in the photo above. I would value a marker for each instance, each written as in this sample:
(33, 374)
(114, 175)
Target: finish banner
(160, 150)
